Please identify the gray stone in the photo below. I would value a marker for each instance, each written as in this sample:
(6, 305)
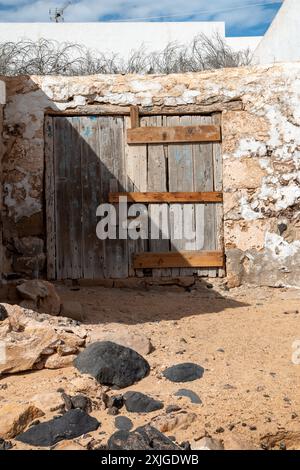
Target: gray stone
(5, 445)
(143, 438)
(82, 402)
(183, 392)
(72, 424)
(185, 372)
(172, 408)
(112, 364)
(123, 423)
(136, 402)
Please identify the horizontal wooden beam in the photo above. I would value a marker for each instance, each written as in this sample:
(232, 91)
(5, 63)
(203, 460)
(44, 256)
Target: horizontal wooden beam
(173, 135)
(160, 197)
(179, 110)
(179, 259)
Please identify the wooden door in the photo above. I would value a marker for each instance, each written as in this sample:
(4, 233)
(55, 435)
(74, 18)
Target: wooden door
(87, 157)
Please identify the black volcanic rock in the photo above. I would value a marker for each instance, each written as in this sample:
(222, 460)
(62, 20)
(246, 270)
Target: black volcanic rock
(136, 402)
(143, 438)
(72, 424)
(112, 364)
(185, 372)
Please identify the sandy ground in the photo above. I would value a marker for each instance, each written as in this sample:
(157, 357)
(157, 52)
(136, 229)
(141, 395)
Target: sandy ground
(242, 337)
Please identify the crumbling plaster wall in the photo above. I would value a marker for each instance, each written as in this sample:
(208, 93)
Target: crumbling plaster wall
(261, 157)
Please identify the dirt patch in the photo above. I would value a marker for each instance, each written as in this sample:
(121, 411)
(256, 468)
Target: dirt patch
(242, 338)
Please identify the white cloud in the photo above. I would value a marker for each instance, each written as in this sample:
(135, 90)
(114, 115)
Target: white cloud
(92, 10)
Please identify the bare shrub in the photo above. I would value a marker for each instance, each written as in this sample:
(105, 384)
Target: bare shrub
(48, 57)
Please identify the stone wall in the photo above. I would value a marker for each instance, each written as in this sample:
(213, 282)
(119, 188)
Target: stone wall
(261, 157)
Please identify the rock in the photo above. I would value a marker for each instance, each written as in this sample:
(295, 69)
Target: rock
(30, 339)
(185, 372)
(123, 423)
(72, 424)
(172, 408)
(3, 312)
(136, 402)
(166, 423)
(43, 293)
(135, 341)
(220, 430)
(185, 445)
(55, 361)
(72, 309)
(143, 438)
(112, 364)
(67, 401)
(30, 266)
(29, 246)
(183, 392)
(82, 402)
(116, 401)
(15, 417)
(68, 445)
(207, 443)
(5, 445)
(48, 401)
(113, 411)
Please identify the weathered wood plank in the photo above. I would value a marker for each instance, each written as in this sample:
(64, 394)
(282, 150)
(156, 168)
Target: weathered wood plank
(134, 117)
(161, 197)
(179, 259)
(156, 110)
(176, 134)
(113, 173)
(66, 157)
(74, 160)
(180, 168)
(136, 180)
(204, 181)
(91, 184)
(50, 198)
(218, 186)
(157, 181)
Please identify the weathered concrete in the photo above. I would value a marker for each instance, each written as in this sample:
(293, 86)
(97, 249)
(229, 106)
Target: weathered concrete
(261, 155)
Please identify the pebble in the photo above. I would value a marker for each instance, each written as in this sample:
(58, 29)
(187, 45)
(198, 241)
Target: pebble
(172, 408)
(183, 392)
(123, 423)
(220, 430)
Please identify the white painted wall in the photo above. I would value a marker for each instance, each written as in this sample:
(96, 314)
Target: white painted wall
(247, 42)
(281, 42)
(119, 37)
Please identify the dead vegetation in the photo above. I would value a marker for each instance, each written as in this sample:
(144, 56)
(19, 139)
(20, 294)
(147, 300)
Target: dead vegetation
(48, 57)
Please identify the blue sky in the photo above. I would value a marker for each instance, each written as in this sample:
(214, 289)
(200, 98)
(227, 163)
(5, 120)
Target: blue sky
(242, 17)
